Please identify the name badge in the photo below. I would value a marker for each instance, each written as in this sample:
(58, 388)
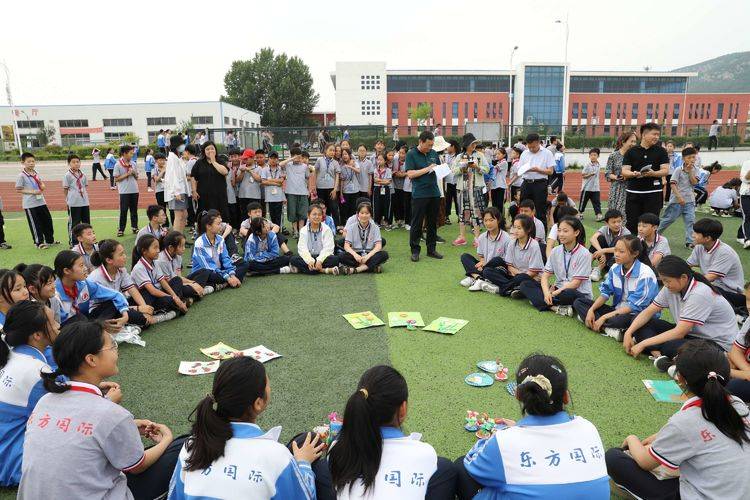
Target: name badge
(39, 197)
(252, 179)
(382, 191)
(274, 191)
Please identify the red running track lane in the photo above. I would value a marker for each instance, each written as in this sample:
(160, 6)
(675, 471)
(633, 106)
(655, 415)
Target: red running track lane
(102, 198)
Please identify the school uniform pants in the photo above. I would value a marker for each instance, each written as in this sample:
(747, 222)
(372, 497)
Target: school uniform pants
(2, 227)
(536, 190)
(407, 206)
(275, 209)
(154, 481)
(672, 212)
(349, 206)
(97, 167)
(423, 210)
(301, 265)
(332, 206)
(398, 204)
(736, 300)
(163, 304)
(107, 310)
(532, 290)
(40, 224)
(190, 212)
(451, 200)
(610, 258)
(501, 277)
(656, 326)
(497, 196)
(743, 232)
(637, 204)
(182, 290)
(376, 260)
(381, 205)
(128, 202)
(556, 182)
(626, 473)
(700, 195)
(595, 198)
(206, 277)
(469, 262)
(621, 321)
(267, 267)
(740, 388)
(111, 172)
(713, 142)
(668, 190)
(163, 204)
(148, 179)
(77, 215)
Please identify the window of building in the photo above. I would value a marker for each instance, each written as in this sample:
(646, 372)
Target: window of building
(73, 123)
(168, 120)
(674, 130)
(628, 84)
(202, 120)
(676, 111)
(446, 83)
(73, 139)
(394, 110)
(466, 110)
(30, 124)
(690, 111)
(445, 109)
(487, 111)
(606, 130)
(476, 111)
(608, 110)
(543, 96)
(708, 111)
(736, 109)
(500, 111)
(720, 110)
(454, 130)
(617, 113)
(114, 136)
(584, 110)
(369, 108)
(369, 82)
(454, 110)
(650, 111)
(574, 111)
(634, 111)
(494, 110)
(408, 130)
(117, 122)
(656, 112)
(703, 110)
(226, 120)
(30, 140)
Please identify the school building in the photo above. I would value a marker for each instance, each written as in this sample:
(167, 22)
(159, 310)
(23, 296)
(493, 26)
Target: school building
(103, 123)
(591, 103)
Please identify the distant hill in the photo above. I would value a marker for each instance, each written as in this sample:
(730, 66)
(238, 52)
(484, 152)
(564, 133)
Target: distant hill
(727, 73)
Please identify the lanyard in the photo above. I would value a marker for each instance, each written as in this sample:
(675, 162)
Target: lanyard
(567, 262)
(364, 235)
(275, 174)
(35, 178)
(328, 166)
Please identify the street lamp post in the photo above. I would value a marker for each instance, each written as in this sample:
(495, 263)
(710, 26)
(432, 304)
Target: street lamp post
(510, 96)
(16, 133)
(565, 79)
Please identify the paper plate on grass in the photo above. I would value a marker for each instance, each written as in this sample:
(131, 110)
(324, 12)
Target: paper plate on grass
(479, 379)
(490, 366)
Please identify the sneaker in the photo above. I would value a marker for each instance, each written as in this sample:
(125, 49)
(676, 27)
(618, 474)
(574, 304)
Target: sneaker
(448, 222)
(746, 245)
(221, 286)
(490, 288)
(42, 246)
(467, 281)
(662, 363)
(285, 270)
(565, 311)
(690, 246)
(476, 286)
(236, 258)
(150, 190)
(208, 290)
(439, 239)
(165, 316)
(599, 218)
(459, 242)
(5, 246)
(741, 241)
(672, 371)
(336, 270)
(516, 294)
(378, 269)
(740, 319)
(615, 333)
(596, 274)
(112, 188)
(434, 255)
(407, 227)
(725, 215)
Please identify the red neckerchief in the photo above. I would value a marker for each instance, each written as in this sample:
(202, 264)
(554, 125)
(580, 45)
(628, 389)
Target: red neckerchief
(72, 292)
(36, 178)
(127, 166)
(78, 178)
(692, 403)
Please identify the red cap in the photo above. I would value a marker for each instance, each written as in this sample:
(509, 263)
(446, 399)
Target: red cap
(248, 153)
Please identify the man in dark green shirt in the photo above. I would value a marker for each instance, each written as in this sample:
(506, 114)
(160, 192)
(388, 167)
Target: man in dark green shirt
(425, 195)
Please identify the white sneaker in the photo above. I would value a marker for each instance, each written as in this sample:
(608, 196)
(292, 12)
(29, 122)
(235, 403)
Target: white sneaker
(477, 286)
(490, 288)
(208, 290)
(221, 286)
(407, 227)
(150, 190)
(285, 270)
(467, 281)
(746, 245)
(565, 311)
(615, 333)
(166, 316)
(596, 274)
(740, 241)
(740, 319)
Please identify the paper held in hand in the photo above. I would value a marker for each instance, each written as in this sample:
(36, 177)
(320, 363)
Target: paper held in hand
(524, 168)
(442, 170)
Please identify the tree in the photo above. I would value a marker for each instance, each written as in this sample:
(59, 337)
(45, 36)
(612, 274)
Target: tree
(46, 134)
(421, 114)
(278, 87)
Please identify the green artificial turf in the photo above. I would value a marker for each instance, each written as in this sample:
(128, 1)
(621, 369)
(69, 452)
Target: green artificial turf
(323, 357)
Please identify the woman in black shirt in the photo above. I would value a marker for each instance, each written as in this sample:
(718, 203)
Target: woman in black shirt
(210, 183)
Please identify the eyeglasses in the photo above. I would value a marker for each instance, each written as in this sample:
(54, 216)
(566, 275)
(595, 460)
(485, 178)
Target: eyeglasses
(113, 347)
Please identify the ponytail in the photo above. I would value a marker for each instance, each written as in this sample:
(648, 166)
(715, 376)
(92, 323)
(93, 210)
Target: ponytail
(75, 342)
(238, 383)
(542, 384)
(706, 371)
(206, 218)
(635, 247)
(107, 249)
(171, 239)
(672, 266)
(380, 393)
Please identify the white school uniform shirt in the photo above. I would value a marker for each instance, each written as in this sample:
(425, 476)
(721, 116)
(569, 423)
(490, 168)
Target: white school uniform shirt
(326, 170)
(365, 169)
(406, 466)
(248, 187)
(723, 198)
(30, 181)
(232, 190)
(514, 171)
(723, 261)
(524, 258)
(609, 236)
(169, 266)
(542, 158)
(501, 172)
(660, 246)
(129, 185)
(78, 248)
(567, 266)
(591, 183)
(489, 248)
(121, 281)
(76, 183)
(556, 456)
(254, 466)
(538, 230)
(273, 193)
(145, 272)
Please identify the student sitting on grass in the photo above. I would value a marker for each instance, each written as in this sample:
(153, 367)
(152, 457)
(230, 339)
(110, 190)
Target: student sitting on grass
(603, 242)
(12, 289)
(527, 208)
(549, 453)
(559, 213)
(656, 245)
(29, 331)
(157, 291)
(725, 200)
(363, 244)
(169, 263)
(632, 285)
(316, 246)
(86, 245)
(491, 246)
(699, 311)
(262, 253)
(81, 445)
(739, 357)
(371, 447)
(718, 262)
(40, 282)
(681, 196)
(553, 213)
(707, 440)
(229, 456)
(523, 260)
(155, 227)
(254, 209)
(570, 265)
(211, 262)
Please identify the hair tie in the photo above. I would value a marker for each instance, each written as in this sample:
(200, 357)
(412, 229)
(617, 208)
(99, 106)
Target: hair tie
(714, 376)
(364, 392)
(214, 404)
(541, 381)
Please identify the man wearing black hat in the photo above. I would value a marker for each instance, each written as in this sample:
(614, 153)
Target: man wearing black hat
(425, 196)
(536, 165)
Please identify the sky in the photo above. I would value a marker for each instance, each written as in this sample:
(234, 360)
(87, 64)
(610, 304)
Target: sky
(86, 52)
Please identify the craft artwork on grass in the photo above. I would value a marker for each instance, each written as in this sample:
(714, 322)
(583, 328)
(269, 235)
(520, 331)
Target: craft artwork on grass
(408, 319)
(220, 351)
(362, 320)
(665, 391)
(198, 367)
(448, 326)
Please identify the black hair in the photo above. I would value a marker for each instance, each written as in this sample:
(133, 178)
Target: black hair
(532, 137)
(577, 225)
(65, 260)
(612, 213)
(527, 223)
(192, 149)
(143, 244)
(650, 126)
(79, 228)
(635, 246)
(273, 154)
(673, 266)
(649, 218)
(503, 151)
(367, 206)
(496, 214)
(363, 200)
(175, 142)
(160, 156)
(688, 151)
(559, 146)
(698, 148)
(733, 183)
(295, 151)
(153, 210)
(595, 150)
(709, 228)
(528, 203)
(380, 393)
(260, 152)
(75, 341)
(234, 151)
(253, 205)
(256, 226)
(314, 206)
(426, 135)
(561, 211)
(27, 155)
(206, 219)
(305, 154)
(24, 319)
(72, 157)
(171, 239)
(125, 149)
(517, 150)
(206, 145)
(106, 251)
(714, 167)
(534, 399)
(238, 383)
(706, 371)
(35, 274)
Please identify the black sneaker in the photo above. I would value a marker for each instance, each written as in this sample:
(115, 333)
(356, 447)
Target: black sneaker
(5, 246)
(439, 239)
(662, 363)
(516, 294)
(415, 257)
(434, 255)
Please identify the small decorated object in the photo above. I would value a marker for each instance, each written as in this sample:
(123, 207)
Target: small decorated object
(511, 388)
(490, 366)
(502, 374)
(472, 424)
(481, 424)
(479, 379)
